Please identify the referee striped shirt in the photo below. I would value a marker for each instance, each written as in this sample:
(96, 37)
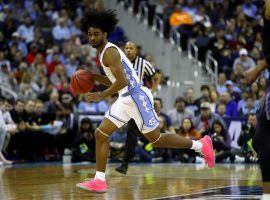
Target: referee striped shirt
(143, 68)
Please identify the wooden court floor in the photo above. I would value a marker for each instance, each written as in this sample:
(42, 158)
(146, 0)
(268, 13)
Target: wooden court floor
(143, 181)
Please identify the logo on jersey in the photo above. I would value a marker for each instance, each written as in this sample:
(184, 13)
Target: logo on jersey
(152, 121)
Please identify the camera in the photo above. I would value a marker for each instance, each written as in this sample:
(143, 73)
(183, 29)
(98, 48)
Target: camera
(215, 137)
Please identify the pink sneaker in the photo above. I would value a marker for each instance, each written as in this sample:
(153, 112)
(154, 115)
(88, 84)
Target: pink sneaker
(93, 185)
(208, 151)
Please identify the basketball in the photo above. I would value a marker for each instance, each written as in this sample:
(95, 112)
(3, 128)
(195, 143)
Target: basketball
(82, 81)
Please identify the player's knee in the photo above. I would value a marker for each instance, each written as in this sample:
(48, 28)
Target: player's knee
(158, 142)
(101, 136)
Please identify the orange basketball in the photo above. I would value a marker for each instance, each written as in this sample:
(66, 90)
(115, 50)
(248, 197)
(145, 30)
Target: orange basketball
(82, 81)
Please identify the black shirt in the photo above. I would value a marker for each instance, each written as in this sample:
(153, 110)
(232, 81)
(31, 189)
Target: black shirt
(266, 37)
(18, 117)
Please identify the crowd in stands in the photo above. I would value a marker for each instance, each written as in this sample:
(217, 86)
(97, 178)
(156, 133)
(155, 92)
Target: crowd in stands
(41, 46)
(232, 32)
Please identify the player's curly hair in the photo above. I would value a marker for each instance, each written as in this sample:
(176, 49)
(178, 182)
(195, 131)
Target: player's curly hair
(105, 20)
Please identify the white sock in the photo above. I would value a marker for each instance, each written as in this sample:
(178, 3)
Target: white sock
(196, 145)
(266, 196)
(100, 175)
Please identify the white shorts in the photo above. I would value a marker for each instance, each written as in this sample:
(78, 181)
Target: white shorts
(138, 106)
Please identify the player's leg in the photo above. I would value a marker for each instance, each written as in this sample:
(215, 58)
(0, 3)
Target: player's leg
(102, 134)
(114, 118)
(145, 117)
(203, 146)
(265, 166)
(130, 145)
(261, 144)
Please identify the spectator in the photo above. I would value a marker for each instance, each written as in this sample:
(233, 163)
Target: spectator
(19, 44)
(244, 61)
(221, 141)
(201, 17)
(187, 130)
(221, 87)
(9, 27)
(51, 55)
(249, 108)
(205, 95)
(71, 66)
(262, 84)
(3, 43)
(254, 90)
(18, 59)
(61, 31)
(5, 77)
(246, 149)
(233, 91)
(204, 121)
(30, 57)
(7, 128)
(166, 120)
(231, 106)
(53, 106)
(221, 110)
(87, 107)
(53, 64)
(57, 75)
(17, 113)
(4, 61)
(45, 24)
(191, 104)
(75, 28)
(249, 9)
(213, 100)
(179, 112)
(26, 30)
(26, 92)
(84, 143)
(180, 17)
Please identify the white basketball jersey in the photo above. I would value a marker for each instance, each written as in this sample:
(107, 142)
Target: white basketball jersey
(132, 78)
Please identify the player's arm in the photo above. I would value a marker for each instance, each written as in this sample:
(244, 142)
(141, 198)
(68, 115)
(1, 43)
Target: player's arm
(104, 80)
(267, 9)
(252, 74)
(112, 60)
(155, 76)
(156, 81)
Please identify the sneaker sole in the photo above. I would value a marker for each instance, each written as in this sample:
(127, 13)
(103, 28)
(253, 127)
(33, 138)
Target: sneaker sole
(210, 141)
(96, 191)
(121, 172)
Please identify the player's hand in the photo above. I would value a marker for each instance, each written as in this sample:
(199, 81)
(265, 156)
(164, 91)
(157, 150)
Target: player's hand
(93, 96)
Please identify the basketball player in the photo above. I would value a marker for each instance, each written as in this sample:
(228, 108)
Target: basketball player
(143, 68)
(262, 136)
(134, 101)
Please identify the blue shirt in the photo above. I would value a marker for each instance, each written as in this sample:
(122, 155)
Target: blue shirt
(231, 109)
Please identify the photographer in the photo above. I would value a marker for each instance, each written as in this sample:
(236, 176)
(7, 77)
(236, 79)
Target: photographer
(246, 150)
(221, 141)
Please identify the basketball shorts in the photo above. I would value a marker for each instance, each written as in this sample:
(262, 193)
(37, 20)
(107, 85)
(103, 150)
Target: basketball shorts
(262, 144)
(138, 105)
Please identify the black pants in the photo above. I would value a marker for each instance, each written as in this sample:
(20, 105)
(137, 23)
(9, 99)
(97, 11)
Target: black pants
(131, 142)
(262, 145)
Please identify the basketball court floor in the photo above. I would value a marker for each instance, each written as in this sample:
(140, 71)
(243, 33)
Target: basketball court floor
(144, 181)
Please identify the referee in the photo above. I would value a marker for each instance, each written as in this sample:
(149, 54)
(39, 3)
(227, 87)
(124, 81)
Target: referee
(262, 136)
(144, 70)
